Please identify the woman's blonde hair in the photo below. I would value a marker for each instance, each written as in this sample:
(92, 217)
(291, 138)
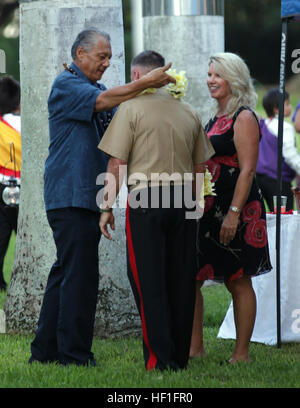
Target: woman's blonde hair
(234, 70)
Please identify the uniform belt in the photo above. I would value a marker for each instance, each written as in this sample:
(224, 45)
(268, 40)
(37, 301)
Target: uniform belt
(153, 183)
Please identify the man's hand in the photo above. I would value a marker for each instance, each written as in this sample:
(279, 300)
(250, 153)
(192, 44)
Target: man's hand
(107, 218)
(115, 96)
(158, 77)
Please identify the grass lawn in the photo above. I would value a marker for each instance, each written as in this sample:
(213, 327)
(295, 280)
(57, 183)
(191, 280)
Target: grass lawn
(120, 362)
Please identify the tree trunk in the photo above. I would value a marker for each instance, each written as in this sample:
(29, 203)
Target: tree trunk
(48, 29)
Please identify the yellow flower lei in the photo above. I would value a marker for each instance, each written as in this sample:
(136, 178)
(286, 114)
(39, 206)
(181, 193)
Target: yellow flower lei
(148, 91)
(207, 188)
(177, 90)
(208, 185)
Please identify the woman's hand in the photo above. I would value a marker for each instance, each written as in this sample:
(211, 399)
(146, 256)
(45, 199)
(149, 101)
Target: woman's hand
(229, 227)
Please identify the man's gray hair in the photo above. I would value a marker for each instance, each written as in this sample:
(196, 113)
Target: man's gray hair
(87, 39)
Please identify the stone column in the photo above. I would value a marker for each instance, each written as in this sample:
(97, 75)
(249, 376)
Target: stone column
(48, 29)
(186, 32)
(137, 27)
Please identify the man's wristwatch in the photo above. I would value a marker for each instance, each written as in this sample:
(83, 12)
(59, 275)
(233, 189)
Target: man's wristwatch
(235, 209)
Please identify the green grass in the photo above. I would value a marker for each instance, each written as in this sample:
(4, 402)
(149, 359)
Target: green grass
(120, 362)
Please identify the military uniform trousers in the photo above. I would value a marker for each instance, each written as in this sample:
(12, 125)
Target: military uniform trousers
(161, 259)
(66, 323)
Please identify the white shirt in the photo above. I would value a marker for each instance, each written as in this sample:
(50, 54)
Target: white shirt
(289, 150)
(13, 120)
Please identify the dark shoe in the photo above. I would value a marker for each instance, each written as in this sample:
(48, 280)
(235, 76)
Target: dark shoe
(35, 360)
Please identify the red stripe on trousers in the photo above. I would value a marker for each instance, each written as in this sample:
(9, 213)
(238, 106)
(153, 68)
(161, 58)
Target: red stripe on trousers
(151, 364)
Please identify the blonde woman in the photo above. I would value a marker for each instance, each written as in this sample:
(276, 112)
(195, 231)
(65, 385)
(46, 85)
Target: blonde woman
(232, 239)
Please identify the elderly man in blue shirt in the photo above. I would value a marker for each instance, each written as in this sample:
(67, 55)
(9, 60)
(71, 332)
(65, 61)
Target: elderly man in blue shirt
(80, 109)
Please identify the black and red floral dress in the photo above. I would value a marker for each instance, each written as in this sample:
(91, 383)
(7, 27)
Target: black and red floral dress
(248, 252)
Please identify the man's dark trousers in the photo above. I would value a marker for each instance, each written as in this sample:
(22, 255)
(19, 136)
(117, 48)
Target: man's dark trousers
(161, 251)
(66, 323)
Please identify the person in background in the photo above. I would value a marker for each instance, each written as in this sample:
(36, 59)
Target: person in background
(266, 169)
(10, 160)
(232, 239)
(296, 120)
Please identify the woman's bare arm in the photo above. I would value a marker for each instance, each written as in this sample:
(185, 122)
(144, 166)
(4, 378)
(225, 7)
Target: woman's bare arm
(246, 139)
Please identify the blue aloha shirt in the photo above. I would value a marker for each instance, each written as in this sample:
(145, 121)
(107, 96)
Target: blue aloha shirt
(74, 161)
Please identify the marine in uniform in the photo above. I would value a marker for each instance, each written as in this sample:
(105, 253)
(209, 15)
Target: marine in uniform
(158, 136)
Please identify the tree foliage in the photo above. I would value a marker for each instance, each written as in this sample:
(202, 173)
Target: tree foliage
(9, 45)
(253, 30)
(7, 7)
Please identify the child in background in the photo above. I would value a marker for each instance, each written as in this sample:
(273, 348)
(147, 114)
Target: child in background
(10, 127)
(266, 170)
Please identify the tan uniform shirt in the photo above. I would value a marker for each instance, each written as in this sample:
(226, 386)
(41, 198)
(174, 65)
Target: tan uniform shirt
(158, 136)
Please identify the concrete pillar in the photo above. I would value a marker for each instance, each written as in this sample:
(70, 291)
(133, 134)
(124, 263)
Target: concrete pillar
(137, 27)
(48, 29)
(186, 32)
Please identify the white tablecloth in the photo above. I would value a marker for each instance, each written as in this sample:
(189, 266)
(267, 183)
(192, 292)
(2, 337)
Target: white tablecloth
(265, 329)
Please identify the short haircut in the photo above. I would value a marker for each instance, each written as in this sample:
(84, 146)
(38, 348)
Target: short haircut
(271, 101)
(10, 94)
(87, 39)
(149, 59)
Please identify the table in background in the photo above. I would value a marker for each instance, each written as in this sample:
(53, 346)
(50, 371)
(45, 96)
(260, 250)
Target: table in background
(265, 329)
